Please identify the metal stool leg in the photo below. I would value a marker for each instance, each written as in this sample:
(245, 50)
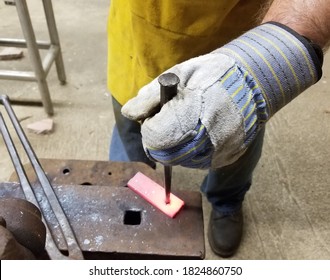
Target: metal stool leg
(54, 39)
(34, 54)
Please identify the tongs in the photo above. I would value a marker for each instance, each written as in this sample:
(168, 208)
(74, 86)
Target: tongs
(74, 250)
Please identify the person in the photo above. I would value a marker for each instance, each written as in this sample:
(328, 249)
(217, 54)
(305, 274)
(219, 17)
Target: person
(239, 62)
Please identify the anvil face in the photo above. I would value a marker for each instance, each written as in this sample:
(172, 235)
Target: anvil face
(112, 222)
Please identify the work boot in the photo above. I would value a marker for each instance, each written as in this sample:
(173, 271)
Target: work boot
(225, 232)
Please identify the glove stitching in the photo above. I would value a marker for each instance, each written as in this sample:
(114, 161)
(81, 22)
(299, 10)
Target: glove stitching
(290, 50)
(297, 60)
(289, 88)
(190, 156)
(313, 50)
(264, 76)
(251, 121)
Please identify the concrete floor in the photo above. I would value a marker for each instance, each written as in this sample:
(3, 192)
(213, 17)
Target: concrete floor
(287, 209)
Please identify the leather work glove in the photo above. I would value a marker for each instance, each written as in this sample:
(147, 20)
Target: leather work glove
(225, 97)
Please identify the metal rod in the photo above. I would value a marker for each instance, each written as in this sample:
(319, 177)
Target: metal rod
(27, 28)
(25, 102)
(18, 75)
(54, 39)
(51, 248)
(49, 58)
(168, 89)
(72, 244)
(21, 43)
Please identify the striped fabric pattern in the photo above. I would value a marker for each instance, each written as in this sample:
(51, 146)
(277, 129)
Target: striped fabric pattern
(278, 61)
(248, 97)
(193, 153)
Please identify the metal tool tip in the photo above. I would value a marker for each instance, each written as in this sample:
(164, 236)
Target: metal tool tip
(168, 79)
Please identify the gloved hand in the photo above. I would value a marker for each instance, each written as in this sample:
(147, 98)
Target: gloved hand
(225, 97)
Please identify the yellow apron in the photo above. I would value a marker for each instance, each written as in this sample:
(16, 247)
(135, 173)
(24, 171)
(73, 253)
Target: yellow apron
(146, 37)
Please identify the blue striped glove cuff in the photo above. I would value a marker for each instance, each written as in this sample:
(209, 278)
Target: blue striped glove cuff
(282, 63)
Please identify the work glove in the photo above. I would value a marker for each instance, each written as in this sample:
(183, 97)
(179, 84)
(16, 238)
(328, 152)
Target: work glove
(225, 97)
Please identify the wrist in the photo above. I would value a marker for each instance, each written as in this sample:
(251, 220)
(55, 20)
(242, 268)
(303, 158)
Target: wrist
(313, 48)
(282, 62)
(307, 18)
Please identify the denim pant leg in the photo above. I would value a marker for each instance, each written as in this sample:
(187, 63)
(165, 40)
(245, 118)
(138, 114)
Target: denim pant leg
(226, 187)
(126, 142)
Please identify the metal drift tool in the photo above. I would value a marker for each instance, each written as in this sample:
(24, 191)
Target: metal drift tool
(168, 89)
(143, 185)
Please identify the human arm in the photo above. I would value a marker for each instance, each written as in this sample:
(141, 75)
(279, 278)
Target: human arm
(309, 18)
(226, 96)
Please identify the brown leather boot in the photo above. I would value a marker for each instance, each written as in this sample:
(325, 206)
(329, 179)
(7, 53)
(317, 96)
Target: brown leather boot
(225, 232)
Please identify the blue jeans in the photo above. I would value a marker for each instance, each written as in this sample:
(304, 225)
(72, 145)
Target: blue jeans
(126, 143)
(224, 188)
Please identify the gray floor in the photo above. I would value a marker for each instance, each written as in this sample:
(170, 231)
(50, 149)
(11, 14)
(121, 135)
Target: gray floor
(287, 209)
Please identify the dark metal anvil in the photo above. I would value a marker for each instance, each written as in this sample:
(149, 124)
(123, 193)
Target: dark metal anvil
(109, 220)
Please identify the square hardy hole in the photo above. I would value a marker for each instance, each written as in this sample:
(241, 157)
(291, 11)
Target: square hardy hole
(132, 217)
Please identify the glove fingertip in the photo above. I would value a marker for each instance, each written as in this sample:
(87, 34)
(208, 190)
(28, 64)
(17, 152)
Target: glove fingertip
(128, 113)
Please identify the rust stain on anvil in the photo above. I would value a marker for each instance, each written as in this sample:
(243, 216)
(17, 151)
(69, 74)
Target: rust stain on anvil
(113, 222)
(89, 172)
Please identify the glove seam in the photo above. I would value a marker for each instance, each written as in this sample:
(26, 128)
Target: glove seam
(249, 102)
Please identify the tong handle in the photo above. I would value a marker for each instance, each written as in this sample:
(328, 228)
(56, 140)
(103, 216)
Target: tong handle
(68, 233)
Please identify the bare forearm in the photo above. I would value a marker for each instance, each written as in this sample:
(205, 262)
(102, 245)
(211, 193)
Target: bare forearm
(309, 18)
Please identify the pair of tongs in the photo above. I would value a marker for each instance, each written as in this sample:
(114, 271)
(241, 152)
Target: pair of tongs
(74, 250)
